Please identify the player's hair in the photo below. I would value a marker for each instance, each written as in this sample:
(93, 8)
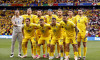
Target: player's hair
(50, 10)
(41, 19)
(59, 9)
(29, 9)
(65, 15)
(28, 19)
(81, 9)
(70, 10)
(54, 18)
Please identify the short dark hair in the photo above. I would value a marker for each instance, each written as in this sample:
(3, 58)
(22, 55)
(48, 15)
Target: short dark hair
(41, 19)
(81, 9)
(65, 15)
(71, 10)
(28, 19)
(54, 18)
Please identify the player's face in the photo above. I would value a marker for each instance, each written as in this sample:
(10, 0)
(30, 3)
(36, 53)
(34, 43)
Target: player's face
(64, 18)
(41, 22)
(39, 13)
(80, 12)
(59, 13)
(29, 11)
(27, 22)
(17, 13)
(53, 21)
(70, 13)
(49, 12)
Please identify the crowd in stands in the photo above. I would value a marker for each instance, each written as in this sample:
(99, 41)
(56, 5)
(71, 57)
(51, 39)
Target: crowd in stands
(48, 2)
(93, 17)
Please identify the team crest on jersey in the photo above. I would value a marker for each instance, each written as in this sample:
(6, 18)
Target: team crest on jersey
(67, 24)
(79, 21)
(56, 26)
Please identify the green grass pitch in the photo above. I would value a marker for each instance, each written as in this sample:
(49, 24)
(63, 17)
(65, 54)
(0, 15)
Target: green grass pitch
(93, 51)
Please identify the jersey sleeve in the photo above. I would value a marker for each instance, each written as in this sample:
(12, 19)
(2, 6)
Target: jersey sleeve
(73, 25)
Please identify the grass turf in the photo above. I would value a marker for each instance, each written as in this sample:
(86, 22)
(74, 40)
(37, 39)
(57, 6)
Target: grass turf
(93, 51)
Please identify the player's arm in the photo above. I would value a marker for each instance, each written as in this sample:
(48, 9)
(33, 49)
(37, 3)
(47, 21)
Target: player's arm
(23, 31)
(86, 23)
(45, 18)
(13, 22)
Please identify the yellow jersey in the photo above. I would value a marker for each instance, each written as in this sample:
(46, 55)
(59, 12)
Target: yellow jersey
(44, 30)
(73, 19)
(49, 18)
(37, 19)
(58, 20)
(56, 30)
(81, 23)
(29, 31)
(29, 16)
(69, 28)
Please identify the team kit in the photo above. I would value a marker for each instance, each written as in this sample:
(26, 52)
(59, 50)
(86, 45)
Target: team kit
(52, 30)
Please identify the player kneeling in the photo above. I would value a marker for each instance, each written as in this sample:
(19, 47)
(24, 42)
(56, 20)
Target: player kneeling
(70, 30)
(56, 37)
(28, 31)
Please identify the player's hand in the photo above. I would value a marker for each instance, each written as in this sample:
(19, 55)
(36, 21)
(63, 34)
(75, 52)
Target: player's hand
(76, 38)
(15, 25)
(86, 35)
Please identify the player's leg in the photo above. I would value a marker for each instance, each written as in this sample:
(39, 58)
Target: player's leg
(20, 43)
(73, 41)
(48, 40)
(52, 45)
(58, 50)
(14, 37)
(24, 47)
(67, 42)
(79, 45)
(33, 40)
(85, 48)
(61, 48)
(40, 41)
(44, 46)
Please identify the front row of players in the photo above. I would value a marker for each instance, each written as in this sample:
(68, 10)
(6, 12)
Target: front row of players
(50, 34)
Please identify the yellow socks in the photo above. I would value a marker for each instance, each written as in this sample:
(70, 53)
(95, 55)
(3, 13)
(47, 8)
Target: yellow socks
(79, 51)
(84, 51)
(24, 48)
(38, 50)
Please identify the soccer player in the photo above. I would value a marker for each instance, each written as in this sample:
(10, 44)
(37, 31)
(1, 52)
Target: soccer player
(70, 29)
(48, 17)
(45, 35)
(17, 33)
(48, 20)
(58, 20)
(56, 38)
(72, 18)
(38, 34)
(32, 20)
(82, 24)
(28, 31)
(29, 15)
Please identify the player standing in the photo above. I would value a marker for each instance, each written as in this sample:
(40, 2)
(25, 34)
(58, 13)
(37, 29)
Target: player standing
(82, 24)
(70, 29)
(32, 20)
(17, 33)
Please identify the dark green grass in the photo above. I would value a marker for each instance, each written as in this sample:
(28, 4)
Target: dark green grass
(93, 51)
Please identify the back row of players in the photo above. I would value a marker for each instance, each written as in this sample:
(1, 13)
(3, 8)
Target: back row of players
(51, 29)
